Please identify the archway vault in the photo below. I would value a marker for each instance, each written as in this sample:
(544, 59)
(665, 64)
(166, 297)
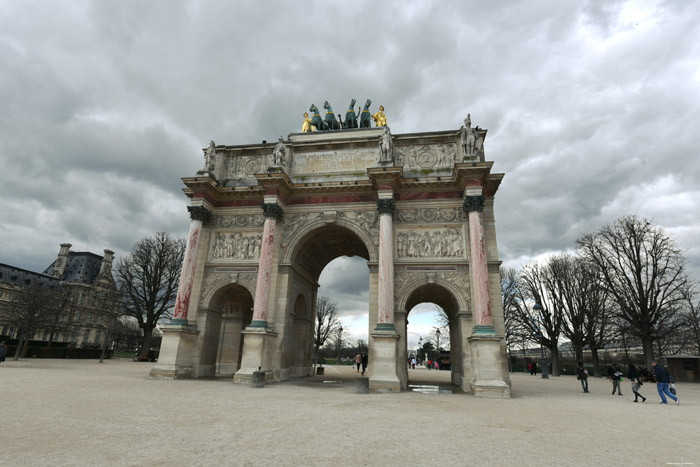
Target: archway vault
(318, 243)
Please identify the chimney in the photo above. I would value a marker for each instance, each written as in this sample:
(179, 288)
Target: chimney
(106, 266)
(62, 260)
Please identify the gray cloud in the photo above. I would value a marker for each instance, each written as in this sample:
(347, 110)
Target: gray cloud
(591, 108)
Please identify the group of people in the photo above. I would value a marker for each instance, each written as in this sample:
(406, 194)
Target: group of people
(532, 368)
(664, 382)
(361, 360)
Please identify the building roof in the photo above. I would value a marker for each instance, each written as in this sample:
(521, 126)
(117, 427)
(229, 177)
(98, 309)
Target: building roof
(81, 267)
(18, 276)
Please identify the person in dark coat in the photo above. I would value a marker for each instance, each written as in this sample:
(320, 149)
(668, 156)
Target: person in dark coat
(616, 374)
(3, 351)
(365, 361)
(636, 382)
(663, 379)
(582, 375)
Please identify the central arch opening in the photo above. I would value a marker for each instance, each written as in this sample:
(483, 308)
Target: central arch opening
(329, 261)
(433, 338)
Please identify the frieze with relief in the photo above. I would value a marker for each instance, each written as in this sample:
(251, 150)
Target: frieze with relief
(441, 156)
(241, 220)
(444, 243)
(236, 246)
(429, 215)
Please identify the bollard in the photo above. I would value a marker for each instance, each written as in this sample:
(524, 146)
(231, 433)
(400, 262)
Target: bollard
(258, 380)
(362, 385)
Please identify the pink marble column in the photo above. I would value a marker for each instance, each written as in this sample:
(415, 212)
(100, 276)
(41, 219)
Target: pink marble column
(474, 206)
(199, 215)
(385, 321)
(262, 289)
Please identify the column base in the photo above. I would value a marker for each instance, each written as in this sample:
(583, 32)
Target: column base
(258, 349)
(487, 365)
(176, 359)
(383, 375)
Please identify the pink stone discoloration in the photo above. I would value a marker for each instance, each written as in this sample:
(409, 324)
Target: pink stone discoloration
(262, 290)
(386, 270)
(184, 290)
(480, 269)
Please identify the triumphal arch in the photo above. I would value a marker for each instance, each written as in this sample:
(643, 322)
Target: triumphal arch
(267, 218)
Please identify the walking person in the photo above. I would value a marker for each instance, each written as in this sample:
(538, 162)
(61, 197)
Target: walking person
(358, 361)
(3, 351)
(636, 382)
(663, 379)
(582, 375)
(616, 375)
(365, 361)
(413, 363)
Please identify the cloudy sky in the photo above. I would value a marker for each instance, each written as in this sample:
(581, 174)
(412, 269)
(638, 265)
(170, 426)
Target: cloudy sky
(592, 108)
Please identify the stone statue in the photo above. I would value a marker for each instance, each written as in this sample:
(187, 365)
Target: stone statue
(279, 154)
(386, 147)
(365, 116)
(331, 121)
(307, 126)
(469, 137)
(316, 120)
(379, 117)
(351, 116)
(209, 157)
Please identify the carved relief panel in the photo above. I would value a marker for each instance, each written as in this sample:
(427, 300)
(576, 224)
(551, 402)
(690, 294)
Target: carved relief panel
(238, 245)
(430, 243)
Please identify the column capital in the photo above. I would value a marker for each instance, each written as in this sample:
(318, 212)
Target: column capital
(199, 213)
(473, 203)
(386, 206)
(272, 210)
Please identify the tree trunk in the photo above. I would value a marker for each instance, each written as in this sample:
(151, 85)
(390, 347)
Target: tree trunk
(578, 350)
(648, 346)
(25, 347)
(104, 347)
(556, 364)
(146, 344)
(18, 350)
(596, 362)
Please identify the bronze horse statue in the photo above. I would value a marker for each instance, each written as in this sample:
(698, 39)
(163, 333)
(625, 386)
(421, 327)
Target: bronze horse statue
(366, 116)
(350, 116)
(331, 121)
(316, 119)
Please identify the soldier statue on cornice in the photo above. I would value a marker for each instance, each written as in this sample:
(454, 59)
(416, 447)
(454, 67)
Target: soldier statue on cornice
(469, 137)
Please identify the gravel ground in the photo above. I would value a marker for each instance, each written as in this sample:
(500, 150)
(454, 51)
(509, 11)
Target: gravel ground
(67, 412)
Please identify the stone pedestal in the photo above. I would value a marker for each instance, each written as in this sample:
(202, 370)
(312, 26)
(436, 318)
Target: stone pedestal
(258, 349)
(486, 364)
(384, 377)
(176, 353)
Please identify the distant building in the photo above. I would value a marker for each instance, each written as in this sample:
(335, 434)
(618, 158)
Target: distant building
(88, 279)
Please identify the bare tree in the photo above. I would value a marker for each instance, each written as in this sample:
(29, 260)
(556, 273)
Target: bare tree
(148, 277)
(326, 322)
(691, 316)
(644, 272)
(339, 338)
(536, 283)
(516, 333)
(33, 309)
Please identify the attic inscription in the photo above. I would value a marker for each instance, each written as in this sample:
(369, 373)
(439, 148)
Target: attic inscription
(333, 162)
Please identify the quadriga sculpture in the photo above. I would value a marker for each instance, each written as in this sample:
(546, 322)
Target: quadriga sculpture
(331, 121)
(316, 119)
(350, 116)
(366, 116)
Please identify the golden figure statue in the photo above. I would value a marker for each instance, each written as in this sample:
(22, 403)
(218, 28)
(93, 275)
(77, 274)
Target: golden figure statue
(379, 117)
(307, 126)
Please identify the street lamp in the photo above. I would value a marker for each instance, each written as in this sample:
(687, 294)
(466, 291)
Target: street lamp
(437, 334)
(339, 341)
(538, 309)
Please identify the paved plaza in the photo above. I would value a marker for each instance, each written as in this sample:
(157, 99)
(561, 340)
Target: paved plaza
(67, 412)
